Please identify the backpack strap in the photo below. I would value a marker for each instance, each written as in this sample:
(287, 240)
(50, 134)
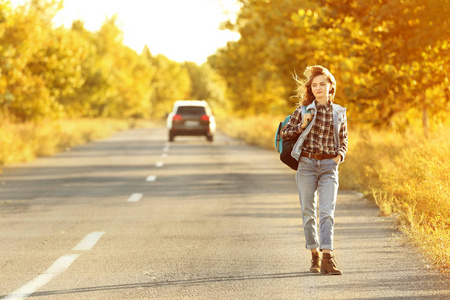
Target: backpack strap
(304, 112)
(278, 136)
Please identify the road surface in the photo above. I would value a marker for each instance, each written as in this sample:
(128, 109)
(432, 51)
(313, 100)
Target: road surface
(136, 217)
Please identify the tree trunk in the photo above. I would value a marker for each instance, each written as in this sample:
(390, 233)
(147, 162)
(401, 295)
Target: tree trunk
(425, 122)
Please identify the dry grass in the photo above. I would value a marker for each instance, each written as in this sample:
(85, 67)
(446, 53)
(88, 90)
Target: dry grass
(25, 142)
(257, 130)
(406, 175)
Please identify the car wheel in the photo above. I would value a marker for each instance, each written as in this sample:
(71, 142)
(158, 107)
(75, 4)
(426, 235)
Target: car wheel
(210, 138)
(171, 137)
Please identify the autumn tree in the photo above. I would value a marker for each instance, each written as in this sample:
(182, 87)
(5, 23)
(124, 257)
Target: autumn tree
(402, 48)
(207, 85)
(171, 82)
(389, 57)
(49, 72)
(25, 33)
(258, 68)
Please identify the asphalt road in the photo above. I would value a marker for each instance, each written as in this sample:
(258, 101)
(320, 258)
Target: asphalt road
(134, 217)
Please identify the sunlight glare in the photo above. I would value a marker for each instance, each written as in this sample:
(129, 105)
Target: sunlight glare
(181, 30)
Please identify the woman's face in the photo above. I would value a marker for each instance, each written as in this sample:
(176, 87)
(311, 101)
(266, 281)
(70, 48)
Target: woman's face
(320, 87)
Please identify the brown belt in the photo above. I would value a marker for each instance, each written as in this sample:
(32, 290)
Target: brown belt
(317, 156)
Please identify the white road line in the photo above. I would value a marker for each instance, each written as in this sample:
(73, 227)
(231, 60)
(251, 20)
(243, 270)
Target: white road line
(164, 155)
(151, 178)
(159, 164)
(58, 267)
(89, 241)
(135, 197)
(166, 149)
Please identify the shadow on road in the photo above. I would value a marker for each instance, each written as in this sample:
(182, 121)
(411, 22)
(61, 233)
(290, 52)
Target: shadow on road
(186, 282)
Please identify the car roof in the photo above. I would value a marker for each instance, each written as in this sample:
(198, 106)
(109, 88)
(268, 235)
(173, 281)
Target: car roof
(191, 103)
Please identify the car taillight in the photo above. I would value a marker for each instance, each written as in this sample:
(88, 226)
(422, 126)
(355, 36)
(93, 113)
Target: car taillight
(177, 118)
(205, 118)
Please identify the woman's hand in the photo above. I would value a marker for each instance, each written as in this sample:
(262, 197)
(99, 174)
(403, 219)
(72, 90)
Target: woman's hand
(337, 159)
(306, 117)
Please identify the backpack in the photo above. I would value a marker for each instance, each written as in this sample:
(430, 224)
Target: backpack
(285, 147)
(278, 139)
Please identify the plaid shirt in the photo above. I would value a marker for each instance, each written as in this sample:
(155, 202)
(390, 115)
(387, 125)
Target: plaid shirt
(320, 139)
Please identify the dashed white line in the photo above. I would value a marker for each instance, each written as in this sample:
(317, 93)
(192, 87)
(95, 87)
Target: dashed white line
(159, 164)
(164, 155)
(135, 197)
(166, 149)
(89, 241)
(58, 267)
(151, 178)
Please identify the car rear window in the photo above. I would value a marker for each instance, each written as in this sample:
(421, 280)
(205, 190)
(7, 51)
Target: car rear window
(191, 110)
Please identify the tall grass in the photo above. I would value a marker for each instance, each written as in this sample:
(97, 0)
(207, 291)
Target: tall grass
(25, 142)
(406, 175)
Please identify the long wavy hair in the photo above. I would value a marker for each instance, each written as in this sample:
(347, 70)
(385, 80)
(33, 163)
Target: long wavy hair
(304, 91)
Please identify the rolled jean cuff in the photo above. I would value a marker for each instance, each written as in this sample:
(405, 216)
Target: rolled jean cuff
(326, 247)
(313, 246)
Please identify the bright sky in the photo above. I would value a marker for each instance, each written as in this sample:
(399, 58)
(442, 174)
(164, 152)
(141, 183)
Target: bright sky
(182, 30)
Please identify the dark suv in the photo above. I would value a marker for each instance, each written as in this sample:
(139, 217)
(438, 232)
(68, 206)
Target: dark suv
(191, 117)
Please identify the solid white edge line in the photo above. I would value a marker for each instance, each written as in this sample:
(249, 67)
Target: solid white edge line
(89, 241)
(159, 164)
(58, 267)
(151, 178)
(135, 197)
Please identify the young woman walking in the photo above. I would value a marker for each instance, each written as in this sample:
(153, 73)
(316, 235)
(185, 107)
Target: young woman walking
(320, 148)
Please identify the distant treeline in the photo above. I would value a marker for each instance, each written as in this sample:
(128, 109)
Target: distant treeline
(390, 57)
(48, 72)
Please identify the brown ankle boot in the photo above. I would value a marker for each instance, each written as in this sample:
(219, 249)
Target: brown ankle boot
(329, 265)
(315, 263)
